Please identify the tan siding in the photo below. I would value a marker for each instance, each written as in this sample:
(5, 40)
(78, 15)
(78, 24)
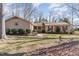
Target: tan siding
(21, 24)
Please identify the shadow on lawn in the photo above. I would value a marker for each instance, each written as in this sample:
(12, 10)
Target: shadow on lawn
(22, 42)
(43, 51)
(15, 54)
(28, 41)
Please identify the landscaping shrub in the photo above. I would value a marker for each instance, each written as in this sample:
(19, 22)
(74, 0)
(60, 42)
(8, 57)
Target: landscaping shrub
(8, 31)
(21, 31)
(43, 31)
(14, 31)
(34, 30)
(57, 29)
(34, 33)
(50, 31)
(28, 30)
(71, 32)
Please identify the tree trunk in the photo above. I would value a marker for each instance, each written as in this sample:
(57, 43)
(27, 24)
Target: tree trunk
(2, 24)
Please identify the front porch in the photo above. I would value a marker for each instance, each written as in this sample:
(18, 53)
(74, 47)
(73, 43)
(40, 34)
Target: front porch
(53, 28)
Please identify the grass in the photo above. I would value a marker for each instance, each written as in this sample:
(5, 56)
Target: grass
(25, 44)
(62, 35)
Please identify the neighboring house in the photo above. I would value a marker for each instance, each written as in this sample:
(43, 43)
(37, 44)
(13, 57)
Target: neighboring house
(18, 23)
(63, 26)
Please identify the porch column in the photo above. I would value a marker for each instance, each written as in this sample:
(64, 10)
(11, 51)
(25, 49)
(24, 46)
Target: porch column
(41, 28)
(36, 27)
(54, 29)
(61, 29)
(2, 24)
(46, 28)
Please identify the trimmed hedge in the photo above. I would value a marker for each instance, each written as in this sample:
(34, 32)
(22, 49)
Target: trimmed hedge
(21, 31)
(14, 31)
(17, 31)
(28, 30)
(8, 31)
(43, 31)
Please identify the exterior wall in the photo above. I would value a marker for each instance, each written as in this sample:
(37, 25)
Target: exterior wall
(46, 28)
(53, 28)
(20, 24)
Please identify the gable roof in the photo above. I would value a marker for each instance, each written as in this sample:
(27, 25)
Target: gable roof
(16, 17)
(37, 24)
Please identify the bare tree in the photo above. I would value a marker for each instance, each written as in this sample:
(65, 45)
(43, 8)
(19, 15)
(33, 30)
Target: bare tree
(40, 16)
(72, 13)
(50, 15)
(2, 23)
(28, 10)
(75, 9)
(16, 9)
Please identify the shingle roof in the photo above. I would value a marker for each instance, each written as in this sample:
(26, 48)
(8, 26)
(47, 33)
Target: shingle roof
(51, 24)
(38, 24)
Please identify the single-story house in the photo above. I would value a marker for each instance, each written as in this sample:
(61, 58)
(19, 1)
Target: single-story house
(20, 23)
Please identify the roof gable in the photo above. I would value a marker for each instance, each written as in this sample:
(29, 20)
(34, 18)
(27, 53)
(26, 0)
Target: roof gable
(16, 17)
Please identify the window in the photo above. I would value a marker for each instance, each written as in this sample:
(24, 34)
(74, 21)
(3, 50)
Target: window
(16, 24)
(49, 28)
(35, 27)
(39, 28)
(66, 27)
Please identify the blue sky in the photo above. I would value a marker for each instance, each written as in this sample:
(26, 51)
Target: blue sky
(58, 10)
